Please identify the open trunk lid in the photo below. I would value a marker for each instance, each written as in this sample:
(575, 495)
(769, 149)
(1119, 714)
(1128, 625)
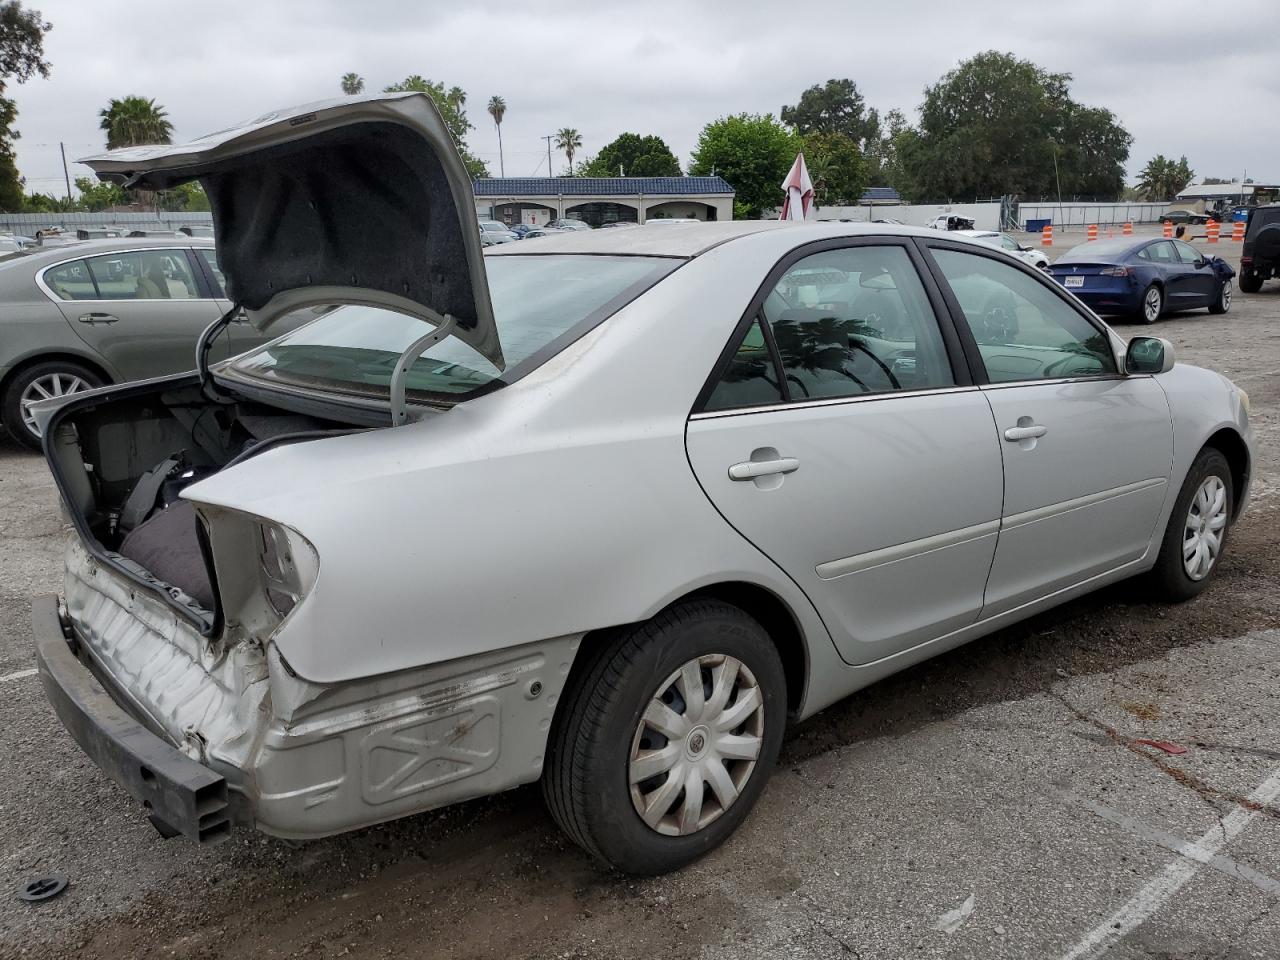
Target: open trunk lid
(357, 200)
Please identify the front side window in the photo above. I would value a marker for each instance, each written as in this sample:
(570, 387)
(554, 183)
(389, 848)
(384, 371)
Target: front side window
(144, 275)
(1024, 330)
(845, 322)
(71, 281)
(540, 305)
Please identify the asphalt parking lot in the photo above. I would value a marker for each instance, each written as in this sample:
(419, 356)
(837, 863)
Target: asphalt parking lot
(992, 803)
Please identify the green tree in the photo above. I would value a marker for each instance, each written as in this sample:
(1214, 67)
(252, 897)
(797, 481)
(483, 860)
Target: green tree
(21, 58)
(352, 83)
(1163, 179)
(569, 140)
(753, 153)
(189, 197)
(834, 107)
(836, 168)
(498, 110)
(634, 156)
(996, 124)
(96, 195)
(131, 121)
(883, 156)
(452, 104)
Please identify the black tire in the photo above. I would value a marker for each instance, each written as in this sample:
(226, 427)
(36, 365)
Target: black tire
(1144, 314)
(585, 779)
(11, 402)
(1222, 302)
(1250, 282)
(1169, 578)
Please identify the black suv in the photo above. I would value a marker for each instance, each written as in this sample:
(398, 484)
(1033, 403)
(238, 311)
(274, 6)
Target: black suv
(1260, 258)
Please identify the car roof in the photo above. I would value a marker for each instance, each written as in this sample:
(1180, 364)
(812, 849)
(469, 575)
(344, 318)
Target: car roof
(89, 248)
(691, 239)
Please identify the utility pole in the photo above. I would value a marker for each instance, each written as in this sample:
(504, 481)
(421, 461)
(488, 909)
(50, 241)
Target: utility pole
(63, 147)
(549, 139)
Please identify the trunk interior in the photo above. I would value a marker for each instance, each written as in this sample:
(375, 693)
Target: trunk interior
(121, 464)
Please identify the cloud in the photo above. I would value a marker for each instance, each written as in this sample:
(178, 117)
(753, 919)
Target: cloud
(659, 67)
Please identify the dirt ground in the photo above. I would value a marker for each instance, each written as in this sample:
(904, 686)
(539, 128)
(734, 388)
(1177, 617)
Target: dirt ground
(990, 803)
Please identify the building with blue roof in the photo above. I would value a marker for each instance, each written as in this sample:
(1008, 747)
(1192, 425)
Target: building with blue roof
(598, 200)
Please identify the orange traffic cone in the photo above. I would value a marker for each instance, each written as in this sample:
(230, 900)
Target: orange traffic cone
(1127, 230)
(1212, 229)
(1168, 229)
(1046, 235)
(1093, 231)
(1237, 232)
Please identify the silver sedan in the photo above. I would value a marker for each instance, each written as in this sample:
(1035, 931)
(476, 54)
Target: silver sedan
(604, 511)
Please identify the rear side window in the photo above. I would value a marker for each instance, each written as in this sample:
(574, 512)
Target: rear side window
(751, 379)
(71, 281)
(844, 323)
(144, 275)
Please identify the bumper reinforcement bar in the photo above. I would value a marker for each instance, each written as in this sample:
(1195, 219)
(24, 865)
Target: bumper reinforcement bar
(176, 791)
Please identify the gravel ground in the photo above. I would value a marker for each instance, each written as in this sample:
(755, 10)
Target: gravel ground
(990, 803)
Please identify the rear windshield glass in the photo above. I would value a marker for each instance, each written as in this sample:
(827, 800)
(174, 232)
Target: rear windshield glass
(1098, 248)
(541, 305)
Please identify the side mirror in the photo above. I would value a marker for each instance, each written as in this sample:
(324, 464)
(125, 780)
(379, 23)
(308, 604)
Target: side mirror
(1149, 355)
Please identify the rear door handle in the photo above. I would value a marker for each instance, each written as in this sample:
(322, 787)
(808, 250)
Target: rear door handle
(98, 318)
(1014, 434)
(750, 469)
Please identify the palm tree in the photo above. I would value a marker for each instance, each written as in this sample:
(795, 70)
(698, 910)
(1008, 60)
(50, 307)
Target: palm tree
(133, 120)
(352, 83)
(497, 110)
(568, 140)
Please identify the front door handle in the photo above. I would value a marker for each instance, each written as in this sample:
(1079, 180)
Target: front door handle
(751, 469)
(98, 318)
(1032, 432)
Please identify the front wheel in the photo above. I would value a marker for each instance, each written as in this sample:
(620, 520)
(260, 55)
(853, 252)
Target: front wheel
(1222, 302)
(1152, 304)
(667, 737)
(1196, 535)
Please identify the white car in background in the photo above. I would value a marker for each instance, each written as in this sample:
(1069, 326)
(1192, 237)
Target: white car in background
(1037, 258)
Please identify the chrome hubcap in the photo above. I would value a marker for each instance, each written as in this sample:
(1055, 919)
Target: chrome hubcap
(1153, 304)
(1206, 524)
(1226, 295)
(696, 745)
(46, 388)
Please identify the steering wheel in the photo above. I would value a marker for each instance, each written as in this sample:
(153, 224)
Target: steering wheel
(1062, 368)
(856, 345)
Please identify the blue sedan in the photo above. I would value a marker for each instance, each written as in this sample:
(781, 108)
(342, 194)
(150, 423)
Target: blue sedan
(1145, 278)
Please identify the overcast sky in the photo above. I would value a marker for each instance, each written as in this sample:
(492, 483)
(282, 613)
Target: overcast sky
(1181, 76)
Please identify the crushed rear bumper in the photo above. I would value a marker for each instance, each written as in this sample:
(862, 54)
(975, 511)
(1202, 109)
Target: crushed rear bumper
(176, 791)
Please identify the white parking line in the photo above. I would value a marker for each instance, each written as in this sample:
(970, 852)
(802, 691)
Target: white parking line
(1175, 876)
(1225, 865)
(19, 675)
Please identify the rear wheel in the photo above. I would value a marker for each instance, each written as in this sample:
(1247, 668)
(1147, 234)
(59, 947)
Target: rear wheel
(1196, 536)
(1250, 282)
(1222, 303)
(667, 737)
(1152, 304)
(41, 381)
